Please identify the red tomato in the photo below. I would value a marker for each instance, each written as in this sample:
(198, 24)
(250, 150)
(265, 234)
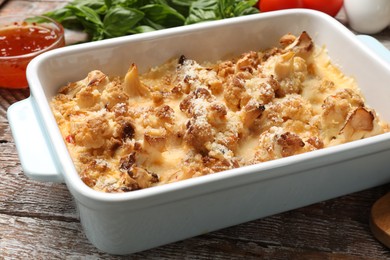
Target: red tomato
(331, 7)
(273, 5)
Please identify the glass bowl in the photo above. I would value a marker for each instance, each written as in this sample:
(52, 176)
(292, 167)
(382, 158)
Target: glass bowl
(21, 39)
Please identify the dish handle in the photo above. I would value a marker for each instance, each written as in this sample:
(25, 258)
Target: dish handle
(33, 147)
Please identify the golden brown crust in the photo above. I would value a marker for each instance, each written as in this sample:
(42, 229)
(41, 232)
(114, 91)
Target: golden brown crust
(183, 119)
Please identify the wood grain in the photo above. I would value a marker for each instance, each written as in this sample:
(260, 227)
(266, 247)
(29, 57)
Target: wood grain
(39, 220)
(32, 7)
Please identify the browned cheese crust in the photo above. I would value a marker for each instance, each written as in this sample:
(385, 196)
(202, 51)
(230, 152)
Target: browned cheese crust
(183, 119)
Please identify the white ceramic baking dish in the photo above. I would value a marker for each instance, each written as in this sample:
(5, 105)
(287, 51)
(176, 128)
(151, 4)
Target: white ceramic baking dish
(139, 220)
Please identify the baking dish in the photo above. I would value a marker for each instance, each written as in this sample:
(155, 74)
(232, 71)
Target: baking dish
(129, 222)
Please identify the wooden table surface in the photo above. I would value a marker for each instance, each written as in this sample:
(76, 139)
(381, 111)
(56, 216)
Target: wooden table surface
(38, 220)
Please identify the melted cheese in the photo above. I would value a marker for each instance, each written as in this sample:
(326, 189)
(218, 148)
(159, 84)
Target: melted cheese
(183, 119)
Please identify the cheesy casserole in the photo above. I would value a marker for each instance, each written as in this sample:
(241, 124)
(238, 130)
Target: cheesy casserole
(184, 119)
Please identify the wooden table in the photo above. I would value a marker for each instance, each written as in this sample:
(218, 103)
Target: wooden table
(38, 220)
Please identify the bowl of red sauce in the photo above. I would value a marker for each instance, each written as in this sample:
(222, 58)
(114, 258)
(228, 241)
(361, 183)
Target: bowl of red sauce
(21, 39)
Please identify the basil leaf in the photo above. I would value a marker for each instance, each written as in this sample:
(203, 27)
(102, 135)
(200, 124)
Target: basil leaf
(111, 18)
(182, 6)
(152, 24)
(186, 3)
(203, 10)
(60, 14)
(138, 3)
(99, 6)
(73, 23)
(233, 8)
(90, 20)
(87, 14)
(66, 18)
(225, 8)
(108, 3)
(142, 29)
(126, 3)
(119, 21)
(245, 8)
(163, 15)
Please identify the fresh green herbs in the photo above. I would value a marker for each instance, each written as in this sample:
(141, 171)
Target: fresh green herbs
(102, 19)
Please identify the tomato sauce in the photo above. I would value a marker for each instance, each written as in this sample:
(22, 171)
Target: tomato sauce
(19, 43)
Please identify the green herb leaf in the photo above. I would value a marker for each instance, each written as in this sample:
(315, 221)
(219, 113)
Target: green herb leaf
(163, 15)
(86, 14)
(112, 18)
(60, 14)
(152, 24)
(119, 21)
(142, 29)
(182, 6)
(90, 20)
(99, 6)
(203, 10)
(108, 3)
(245, 8)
